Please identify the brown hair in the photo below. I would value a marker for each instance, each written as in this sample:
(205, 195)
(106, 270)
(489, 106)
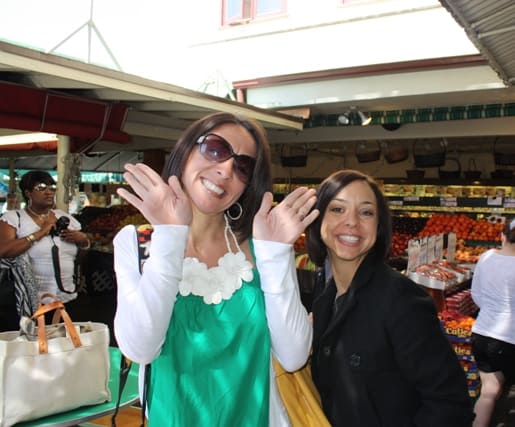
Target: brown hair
(261, 180)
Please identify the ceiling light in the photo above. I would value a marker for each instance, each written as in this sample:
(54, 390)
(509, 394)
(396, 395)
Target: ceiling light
(27, 138)
(365, 120)
(354, 117)
(343, 119)
(358, 118)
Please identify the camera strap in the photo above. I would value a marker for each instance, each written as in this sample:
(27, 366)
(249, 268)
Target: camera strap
(57, 269)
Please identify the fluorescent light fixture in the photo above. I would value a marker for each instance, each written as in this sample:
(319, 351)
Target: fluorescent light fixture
(364, 119)
(27, 138)
(354, 117)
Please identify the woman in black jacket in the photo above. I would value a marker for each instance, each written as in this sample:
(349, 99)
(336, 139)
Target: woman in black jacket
(380, 357)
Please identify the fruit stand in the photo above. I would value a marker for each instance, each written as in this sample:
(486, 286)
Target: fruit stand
(101, 225)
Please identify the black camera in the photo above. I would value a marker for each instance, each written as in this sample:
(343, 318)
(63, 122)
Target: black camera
(61, 224)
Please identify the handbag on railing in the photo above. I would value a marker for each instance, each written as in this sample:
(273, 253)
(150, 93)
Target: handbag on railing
(48, 369)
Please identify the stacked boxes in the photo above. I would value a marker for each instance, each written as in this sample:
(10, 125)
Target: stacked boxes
(462, 303)
(458, 329)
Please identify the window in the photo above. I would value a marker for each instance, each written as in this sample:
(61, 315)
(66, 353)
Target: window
(240, 11)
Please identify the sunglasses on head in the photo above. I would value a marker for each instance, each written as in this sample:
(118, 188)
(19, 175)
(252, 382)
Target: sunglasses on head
(42, 187)
(216, 149)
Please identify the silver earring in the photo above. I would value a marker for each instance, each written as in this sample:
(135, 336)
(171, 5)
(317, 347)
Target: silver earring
(238, 215)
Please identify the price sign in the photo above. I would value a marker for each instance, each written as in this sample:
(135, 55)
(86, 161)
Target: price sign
(451, 247)
(509, 202)
(494, 201)
(448, 201)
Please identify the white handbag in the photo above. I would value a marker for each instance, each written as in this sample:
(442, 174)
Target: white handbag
(52, 368)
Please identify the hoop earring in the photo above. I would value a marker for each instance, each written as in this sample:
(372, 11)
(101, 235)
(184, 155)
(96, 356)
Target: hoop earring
(237, 216)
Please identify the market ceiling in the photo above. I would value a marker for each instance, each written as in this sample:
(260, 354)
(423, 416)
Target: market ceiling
(106, 109)
(151, 114)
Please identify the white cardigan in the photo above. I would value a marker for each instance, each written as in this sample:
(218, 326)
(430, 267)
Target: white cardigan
(146, 302)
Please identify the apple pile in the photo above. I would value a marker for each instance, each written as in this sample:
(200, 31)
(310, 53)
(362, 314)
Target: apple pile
(399, 244)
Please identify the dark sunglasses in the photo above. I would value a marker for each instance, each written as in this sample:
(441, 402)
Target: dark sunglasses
(216, 149)
(42, 187)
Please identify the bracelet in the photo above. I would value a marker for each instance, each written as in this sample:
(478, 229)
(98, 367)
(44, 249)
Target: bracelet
(87, 246)
(31, 239)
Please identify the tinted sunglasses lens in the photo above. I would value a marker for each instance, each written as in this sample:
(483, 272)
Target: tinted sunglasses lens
(217, 149)
(43, 187)
(244, 167)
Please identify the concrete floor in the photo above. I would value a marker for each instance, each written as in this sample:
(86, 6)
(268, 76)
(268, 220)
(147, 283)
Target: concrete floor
(504, 415)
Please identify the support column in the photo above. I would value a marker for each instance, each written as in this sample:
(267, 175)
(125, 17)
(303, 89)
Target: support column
(63, 149)
(13, 201)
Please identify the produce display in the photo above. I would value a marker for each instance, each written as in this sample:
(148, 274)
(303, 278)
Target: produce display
(404, 228)
(439, 223)
(461, 302)
(435, 276)
(474, 236)
(102, 224)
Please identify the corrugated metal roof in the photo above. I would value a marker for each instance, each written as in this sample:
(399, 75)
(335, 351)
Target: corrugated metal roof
(490, 25)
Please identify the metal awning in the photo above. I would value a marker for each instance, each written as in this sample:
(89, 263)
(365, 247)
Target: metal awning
(490, 25)
(156, 112)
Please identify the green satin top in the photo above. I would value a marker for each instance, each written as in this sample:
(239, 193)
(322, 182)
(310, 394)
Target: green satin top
(214, 367)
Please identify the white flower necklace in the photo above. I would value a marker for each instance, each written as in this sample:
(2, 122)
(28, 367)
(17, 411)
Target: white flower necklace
(217, 283)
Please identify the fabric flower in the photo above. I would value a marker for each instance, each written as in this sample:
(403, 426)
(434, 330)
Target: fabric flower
(217, 283)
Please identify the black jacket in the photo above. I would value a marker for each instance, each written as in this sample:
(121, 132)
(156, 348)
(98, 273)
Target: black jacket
(383, 359)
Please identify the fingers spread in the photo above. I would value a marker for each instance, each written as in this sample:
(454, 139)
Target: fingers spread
(266, 204)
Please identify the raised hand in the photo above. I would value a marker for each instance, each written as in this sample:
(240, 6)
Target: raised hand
(159, 202)
(286, 221)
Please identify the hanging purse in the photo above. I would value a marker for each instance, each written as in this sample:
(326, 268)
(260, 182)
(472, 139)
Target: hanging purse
(300, 397)
(54, 368)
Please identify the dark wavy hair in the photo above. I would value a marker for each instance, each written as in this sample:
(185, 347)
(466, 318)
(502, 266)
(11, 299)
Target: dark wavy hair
(261, 180)
(31, 179)
(327, 191)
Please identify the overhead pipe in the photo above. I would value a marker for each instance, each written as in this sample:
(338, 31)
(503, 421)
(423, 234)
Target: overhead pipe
(420, 115)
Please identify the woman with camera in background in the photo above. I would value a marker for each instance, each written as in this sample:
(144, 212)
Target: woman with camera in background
(47, 238)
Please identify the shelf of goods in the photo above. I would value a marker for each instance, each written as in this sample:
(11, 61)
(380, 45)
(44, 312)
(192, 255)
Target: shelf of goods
(475, 212)
(458, 329)
(477, 200)
(423, 208)
(101, 225)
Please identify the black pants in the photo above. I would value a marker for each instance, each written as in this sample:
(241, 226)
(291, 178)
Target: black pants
(9, 319)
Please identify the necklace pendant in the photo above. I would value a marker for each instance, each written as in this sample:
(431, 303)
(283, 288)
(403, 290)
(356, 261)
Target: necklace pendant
(39, 216)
